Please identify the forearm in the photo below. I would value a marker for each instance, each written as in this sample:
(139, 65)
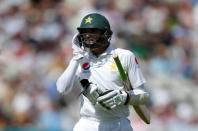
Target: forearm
(138, 96)
(66, 80)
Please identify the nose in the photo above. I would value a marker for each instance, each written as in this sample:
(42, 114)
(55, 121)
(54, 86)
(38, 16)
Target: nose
(89, 38)
(87, 35)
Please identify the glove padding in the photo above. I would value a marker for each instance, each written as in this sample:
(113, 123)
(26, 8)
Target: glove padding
(92, 93)
(78, 51)
(113, 99)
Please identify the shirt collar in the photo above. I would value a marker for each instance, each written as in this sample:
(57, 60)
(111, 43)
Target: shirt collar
(108, 51)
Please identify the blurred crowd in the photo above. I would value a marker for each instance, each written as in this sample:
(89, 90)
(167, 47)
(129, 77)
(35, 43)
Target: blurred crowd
(35, 48)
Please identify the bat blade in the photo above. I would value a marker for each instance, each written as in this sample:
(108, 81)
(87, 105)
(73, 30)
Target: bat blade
(141, 110)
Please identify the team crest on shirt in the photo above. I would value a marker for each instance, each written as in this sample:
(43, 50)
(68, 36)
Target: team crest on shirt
(112, 66)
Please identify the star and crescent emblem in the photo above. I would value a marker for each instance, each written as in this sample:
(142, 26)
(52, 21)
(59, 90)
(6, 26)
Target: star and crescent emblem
(113, 67)
(88, 20)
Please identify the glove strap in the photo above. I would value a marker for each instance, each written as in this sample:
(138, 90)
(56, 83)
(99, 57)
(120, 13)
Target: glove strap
(127, 99)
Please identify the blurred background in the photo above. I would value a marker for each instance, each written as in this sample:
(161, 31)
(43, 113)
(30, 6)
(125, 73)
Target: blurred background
(35, 48)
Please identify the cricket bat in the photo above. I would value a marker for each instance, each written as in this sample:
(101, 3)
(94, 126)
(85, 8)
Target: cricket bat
(141, 110)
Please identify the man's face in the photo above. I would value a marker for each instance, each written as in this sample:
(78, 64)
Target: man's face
(94, 40)
(91, 37)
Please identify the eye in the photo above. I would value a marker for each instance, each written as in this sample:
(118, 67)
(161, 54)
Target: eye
(87, 35)
(91, 31)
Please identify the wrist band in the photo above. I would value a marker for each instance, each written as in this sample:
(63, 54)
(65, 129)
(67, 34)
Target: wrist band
(127, 99)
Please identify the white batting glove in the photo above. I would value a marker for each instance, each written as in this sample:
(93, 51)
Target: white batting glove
(78, 51)
(113, 98)
(92, 93)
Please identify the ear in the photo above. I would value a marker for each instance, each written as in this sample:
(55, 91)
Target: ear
(108, 33)
(79, 40)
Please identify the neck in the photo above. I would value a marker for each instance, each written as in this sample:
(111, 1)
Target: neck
(98, 51)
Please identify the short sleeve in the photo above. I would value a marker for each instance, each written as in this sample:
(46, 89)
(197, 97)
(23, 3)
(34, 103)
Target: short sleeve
(133, 68)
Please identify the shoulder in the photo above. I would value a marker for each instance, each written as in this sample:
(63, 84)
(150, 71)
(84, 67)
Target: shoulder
(124, 53)
(126, 56)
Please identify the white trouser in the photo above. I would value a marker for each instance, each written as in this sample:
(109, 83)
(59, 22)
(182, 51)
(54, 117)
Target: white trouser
(85, 124)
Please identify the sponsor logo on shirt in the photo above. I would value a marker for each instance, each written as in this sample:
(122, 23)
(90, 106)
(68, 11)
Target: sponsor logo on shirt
(86, 66)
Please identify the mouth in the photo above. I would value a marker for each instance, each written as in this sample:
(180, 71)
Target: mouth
(90, 43)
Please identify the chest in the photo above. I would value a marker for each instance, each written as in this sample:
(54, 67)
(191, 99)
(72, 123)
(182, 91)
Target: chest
(105, 74)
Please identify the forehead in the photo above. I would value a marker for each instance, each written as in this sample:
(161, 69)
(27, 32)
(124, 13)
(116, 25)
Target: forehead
(91, 30)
